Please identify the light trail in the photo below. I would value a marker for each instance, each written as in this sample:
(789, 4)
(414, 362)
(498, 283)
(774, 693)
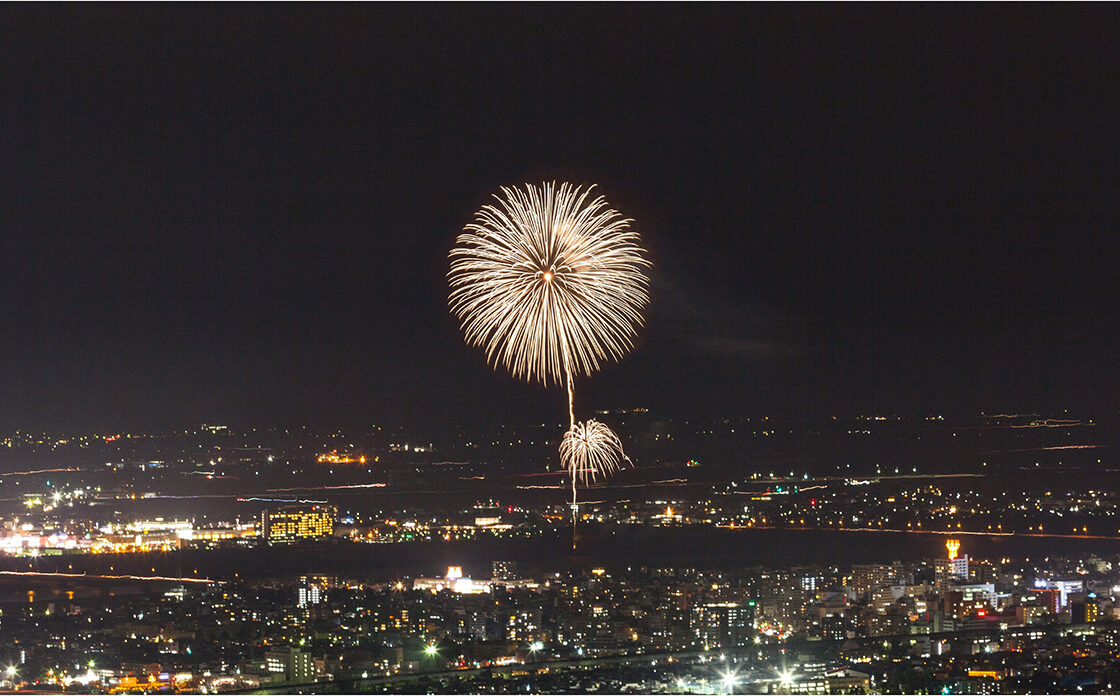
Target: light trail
(1041, 535)
(1044, 449)
(871, 478)
(199, 496)
(37, 471)
(326, 488)
(280, 500)
(157, 578)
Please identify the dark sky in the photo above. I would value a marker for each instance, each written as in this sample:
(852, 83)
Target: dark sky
(242, 213)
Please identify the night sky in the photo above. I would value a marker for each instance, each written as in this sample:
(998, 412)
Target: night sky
(242, 213)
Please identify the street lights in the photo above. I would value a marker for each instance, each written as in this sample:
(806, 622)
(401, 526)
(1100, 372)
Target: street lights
(785, 678)
(729, 679)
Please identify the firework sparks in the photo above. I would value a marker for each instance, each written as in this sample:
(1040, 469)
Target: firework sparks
(590, 451)
(550, 282)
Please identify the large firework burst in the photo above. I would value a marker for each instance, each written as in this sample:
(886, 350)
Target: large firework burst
(550, 282)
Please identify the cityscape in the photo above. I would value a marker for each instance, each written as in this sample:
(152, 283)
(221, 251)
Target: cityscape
(213, 559)
(559, 348)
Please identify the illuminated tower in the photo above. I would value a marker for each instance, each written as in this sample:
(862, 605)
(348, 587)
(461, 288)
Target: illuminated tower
(958, 565)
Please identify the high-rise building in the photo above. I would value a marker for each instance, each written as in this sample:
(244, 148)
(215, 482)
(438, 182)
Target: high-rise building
(309, 595)
(959, 567)
(311, 590)
(1030, 613)
(295, 665)
(1048, 599)
(1065, 588)
(955, 569)
(293, 523)
(504, 570)
(868, 577)
(942, 574)
(725, 625)
(1083, 608)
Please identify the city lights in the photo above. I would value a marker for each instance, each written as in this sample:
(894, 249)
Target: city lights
(290, 299)
(729, 679)
(680, 619)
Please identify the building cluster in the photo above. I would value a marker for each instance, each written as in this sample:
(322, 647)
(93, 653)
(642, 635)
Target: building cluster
(215, 485)
(287, 524)
(872, 504)
(967, 625)
(40, 533)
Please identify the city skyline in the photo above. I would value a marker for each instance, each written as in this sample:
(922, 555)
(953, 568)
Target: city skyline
(291, 297)
(218, 214)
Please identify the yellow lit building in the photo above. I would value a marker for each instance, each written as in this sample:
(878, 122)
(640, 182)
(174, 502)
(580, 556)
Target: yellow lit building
(298, 522)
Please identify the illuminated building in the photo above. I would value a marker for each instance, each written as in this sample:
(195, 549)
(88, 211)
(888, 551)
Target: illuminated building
(1049, 600)
(959, 566)
(221, 533)
(1030, 613)
(868, 577)
(504, 570)
(295, 665)
(725, 625)
(1084, 608)
(294, 523)
(1064, 588)
(453, 581)
(311, 590)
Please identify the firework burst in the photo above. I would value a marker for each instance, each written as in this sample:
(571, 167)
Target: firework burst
(551, 282)
(590, 451)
